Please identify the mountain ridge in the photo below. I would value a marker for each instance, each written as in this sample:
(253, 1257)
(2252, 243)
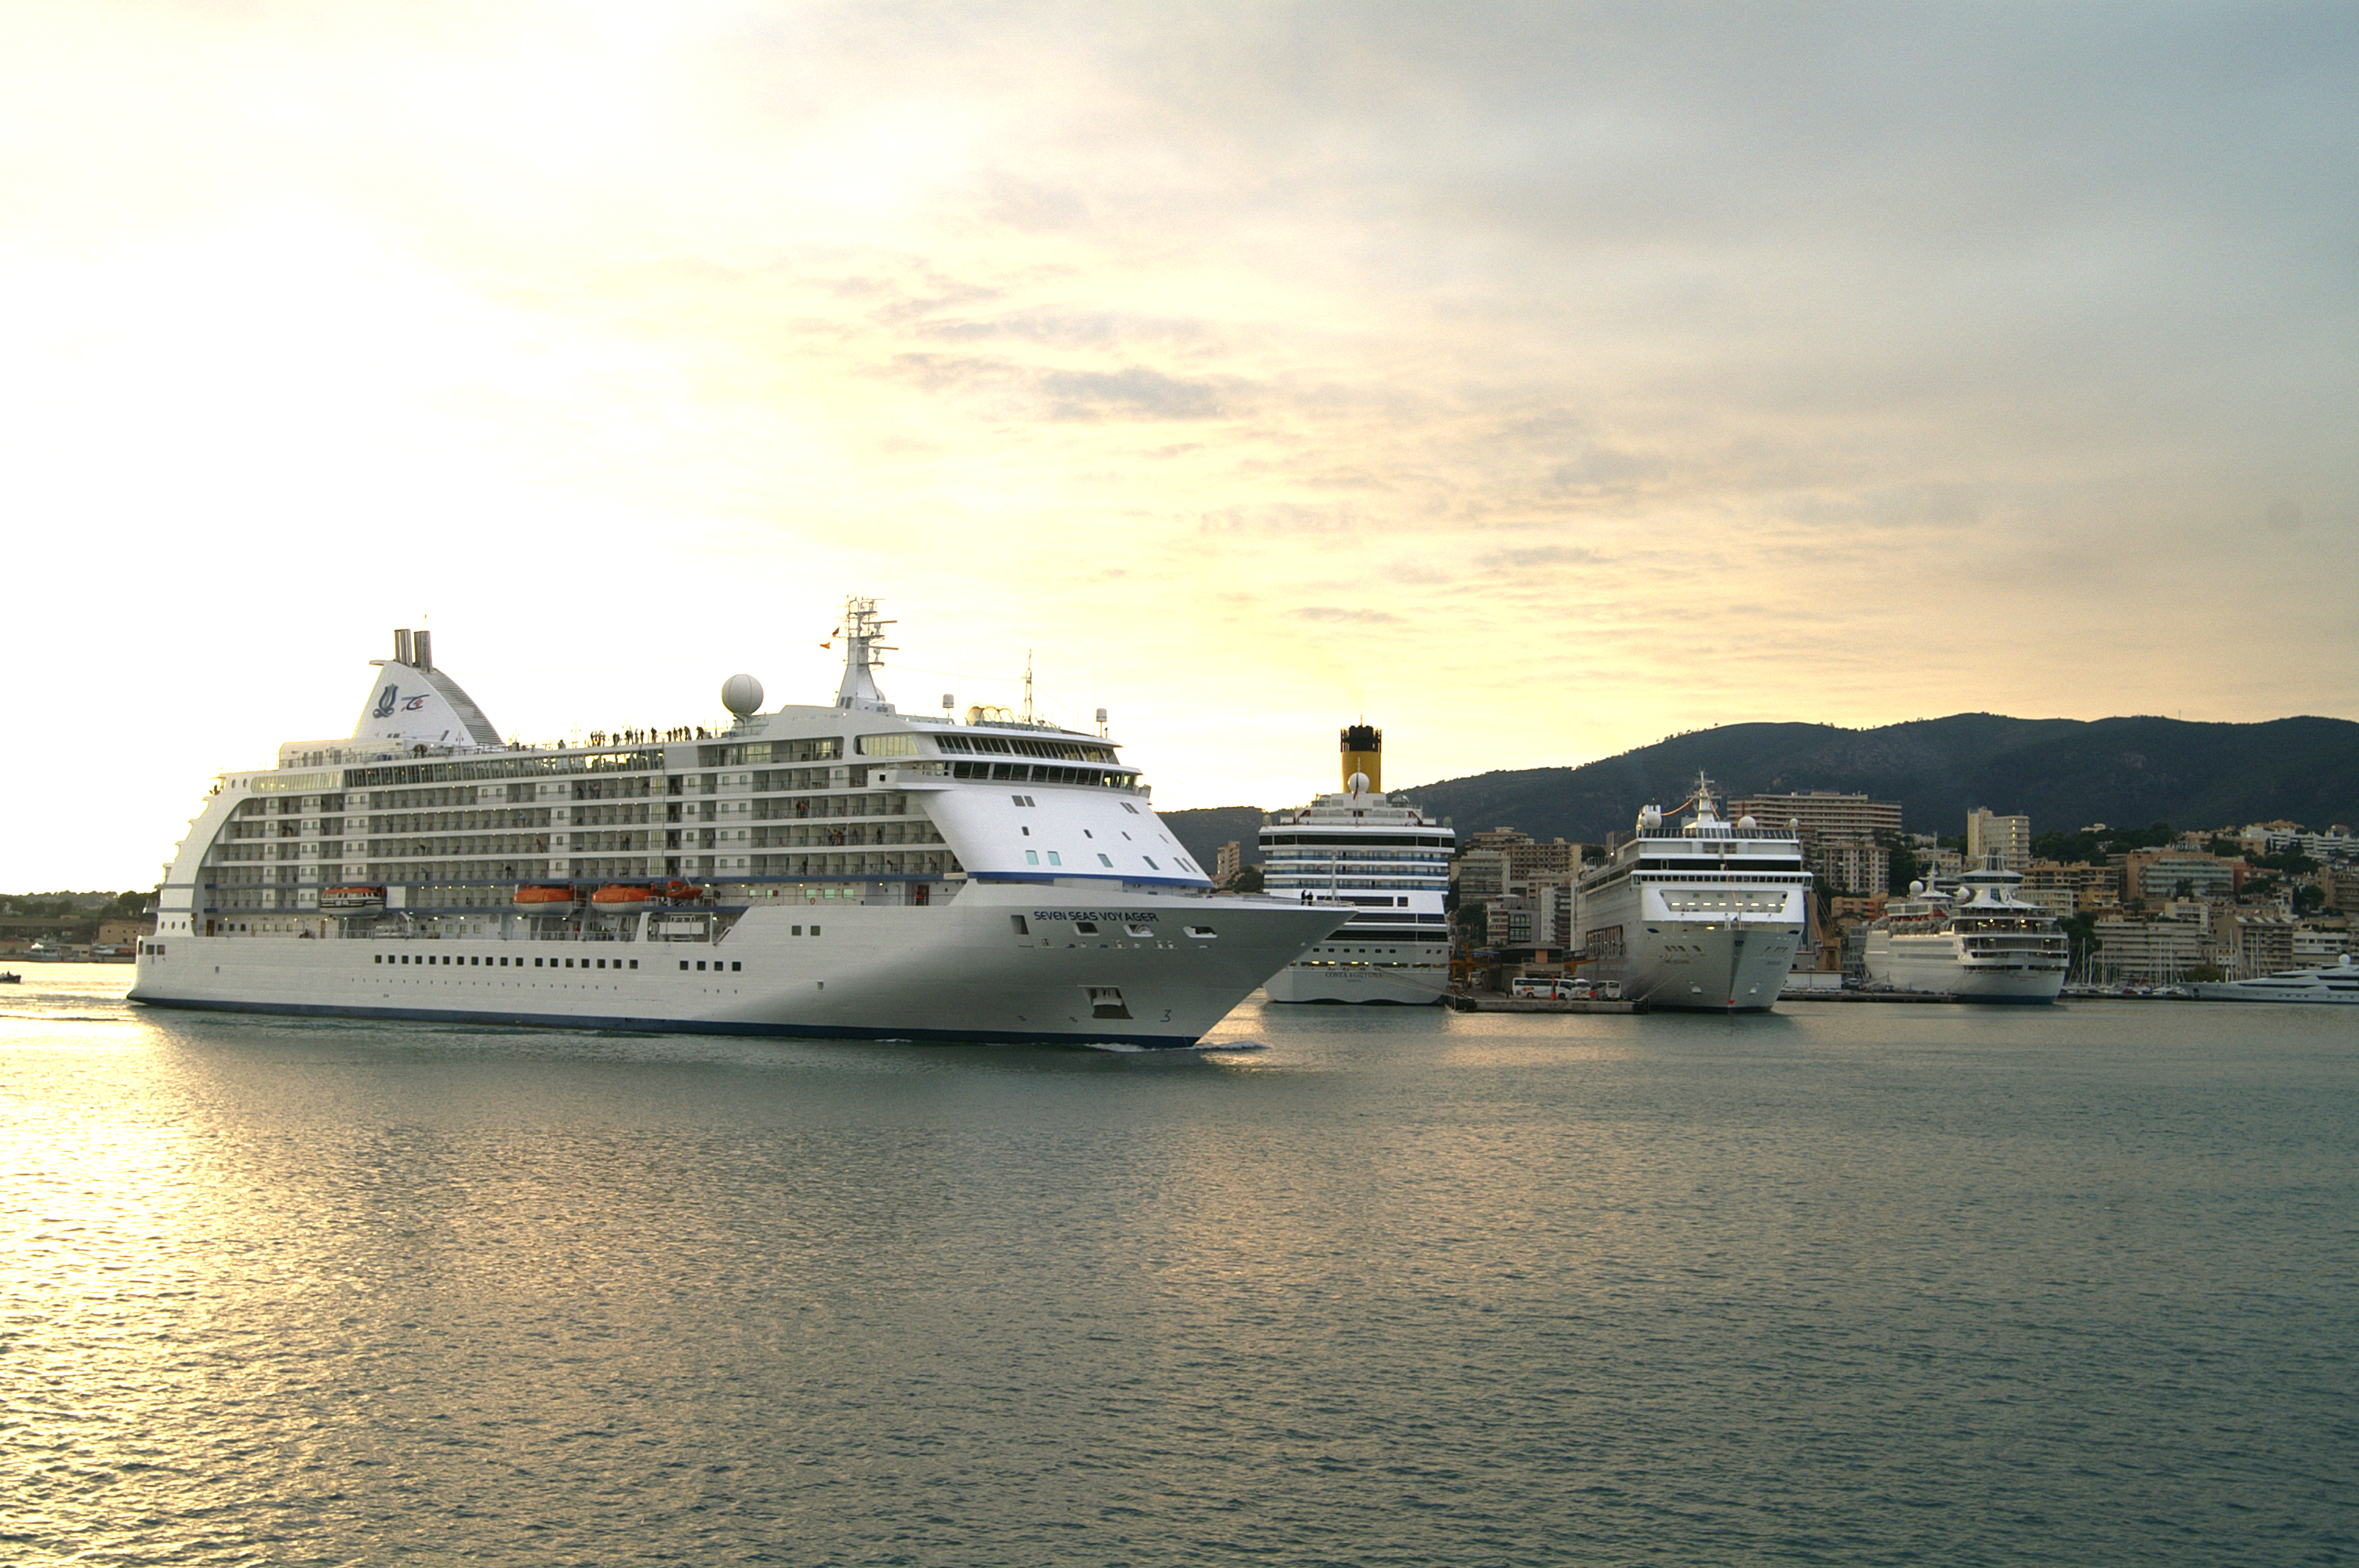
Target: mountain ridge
(2062, 772)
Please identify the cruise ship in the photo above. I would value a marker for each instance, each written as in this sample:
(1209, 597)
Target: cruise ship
(845, 870)
(1386, 862)
(2331, 983)
(1708, 916)
(1976, 940)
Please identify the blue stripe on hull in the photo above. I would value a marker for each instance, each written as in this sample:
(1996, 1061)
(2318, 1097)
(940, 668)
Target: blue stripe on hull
(671, 1025)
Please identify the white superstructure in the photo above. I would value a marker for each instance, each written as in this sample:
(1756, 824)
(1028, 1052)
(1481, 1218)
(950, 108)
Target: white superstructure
(2335, 983)
(1379, 858)
(840, 870)
(1974, 939)
(1707, 916)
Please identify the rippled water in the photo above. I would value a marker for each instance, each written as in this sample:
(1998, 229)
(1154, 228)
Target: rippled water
(1845, 1284)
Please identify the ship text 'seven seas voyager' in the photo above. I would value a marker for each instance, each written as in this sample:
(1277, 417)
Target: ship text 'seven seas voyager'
(846, 871)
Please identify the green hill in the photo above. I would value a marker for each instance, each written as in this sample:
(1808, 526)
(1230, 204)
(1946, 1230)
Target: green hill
(2062, 772)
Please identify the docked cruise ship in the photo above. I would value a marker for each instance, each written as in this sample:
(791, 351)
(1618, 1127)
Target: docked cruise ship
(844, 870)
(1707, 916)
(1379, 858)
(1976, 940)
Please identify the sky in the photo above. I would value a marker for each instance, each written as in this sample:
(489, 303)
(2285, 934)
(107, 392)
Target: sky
(1532, 381)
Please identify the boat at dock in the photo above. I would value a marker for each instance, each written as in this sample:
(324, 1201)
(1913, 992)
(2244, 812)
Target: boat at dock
(1706, 917)
(1385, 864)
(1975, 938)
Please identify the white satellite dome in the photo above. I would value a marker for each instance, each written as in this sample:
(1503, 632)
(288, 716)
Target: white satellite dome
(1650, 818)
(741, 695)
(1357, 783)
(1917, 889)
(1747, 823)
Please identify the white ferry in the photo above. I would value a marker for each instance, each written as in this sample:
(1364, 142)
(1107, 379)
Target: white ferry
(1386, 863)
(848, 870)
(2335, 983)
(1707, 918)
(1976, 940)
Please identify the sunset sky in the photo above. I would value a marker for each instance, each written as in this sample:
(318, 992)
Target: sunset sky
(1535, 380)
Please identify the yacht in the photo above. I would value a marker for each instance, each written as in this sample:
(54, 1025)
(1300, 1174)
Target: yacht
(827, 871)
(2335, 983)
(1707, 915)
(1977, 940)
(1381, 861)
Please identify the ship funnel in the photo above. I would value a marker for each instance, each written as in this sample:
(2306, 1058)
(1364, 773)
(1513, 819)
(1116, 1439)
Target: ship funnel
(1363, 746)
(401, 646)
(424, 644)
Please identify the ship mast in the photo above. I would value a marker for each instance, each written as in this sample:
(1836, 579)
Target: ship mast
(863, 633)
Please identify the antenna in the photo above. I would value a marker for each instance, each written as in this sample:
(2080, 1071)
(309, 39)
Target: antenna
(1028, 685)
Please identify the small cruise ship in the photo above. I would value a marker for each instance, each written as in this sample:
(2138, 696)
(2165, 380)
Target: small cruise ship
(2335, 983)
(839, 870)
(1382, 860)
(1976, 939)
(1707, 916)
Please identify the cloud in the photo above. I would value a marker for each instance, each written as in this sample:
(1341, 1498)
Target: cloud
(1333, 613)
(1133, 391)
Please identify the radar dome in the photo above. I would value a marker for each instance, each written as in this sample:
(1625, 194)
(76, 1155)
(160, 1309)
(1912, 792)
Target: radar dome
(1651, 818)
(1747, 823)
(1917, 889)
(741, 695)
(1357, 783)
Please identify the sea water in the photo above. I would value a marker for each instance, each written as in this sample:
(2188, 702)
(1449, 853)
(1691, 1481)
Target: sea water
(1847, 1283)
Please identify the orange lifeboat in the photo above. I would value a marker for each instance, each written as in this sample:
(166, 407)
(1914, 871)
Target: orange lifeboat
(351, 898)
(622, 897)
(682, 892)
(545, 898)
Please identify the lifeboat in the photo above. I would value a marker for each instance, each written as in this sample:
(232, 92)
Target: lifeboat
(545, 898)
(683, 893)
(351, 898)
(622, 897)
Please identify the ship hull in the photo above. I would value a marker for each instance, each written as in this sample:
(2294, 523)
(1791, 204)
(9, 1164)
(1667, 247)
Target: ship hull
(1931, 965)
(1406, 986)
(1701, 966)
(960, 971)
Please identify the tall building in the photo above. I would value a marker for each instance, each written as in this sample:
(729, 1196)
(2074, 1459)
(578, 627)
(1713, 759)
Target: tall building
(2010, 837)
(2154, 876)
(1228, 862)
(1843, 835)
(1526, 862)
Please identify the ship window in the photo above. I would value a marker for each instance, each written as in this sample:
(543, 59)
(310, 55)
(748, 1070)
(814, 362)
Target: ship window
(684, 963)
(1132, 810)
(1055, 858)
(1150, 862)
(1104, 860)
(736, 965)
(799, 930)
(1031, 857)
(1087, 834)
(814, 930)
(1086, 928)
(1017, 921)
(700, 965)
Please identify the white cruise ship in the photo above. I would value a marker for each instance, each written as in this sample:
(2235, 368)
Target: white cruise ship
(845, 870)
(1379, 858)
(1976, 940)
(1708, 916)
(2335, 983)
